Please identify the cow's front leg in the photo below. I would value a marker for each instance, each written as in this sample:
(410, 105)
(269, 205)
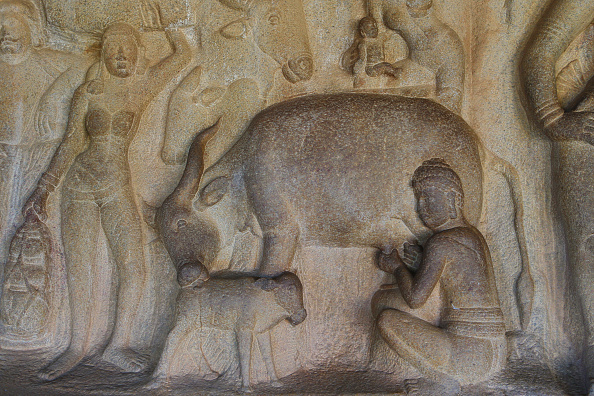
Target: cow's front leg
(244, 347)
(280, 245)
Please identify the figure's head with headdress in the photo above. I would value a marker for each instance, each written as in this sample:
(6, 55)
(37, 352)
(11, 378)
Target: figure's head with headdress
(122, 51)
(21, 27)
(439, 193)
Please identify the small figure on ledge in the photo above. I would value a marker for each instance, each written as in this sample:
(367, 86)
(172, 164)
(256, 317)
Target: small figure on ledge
(469, 344)
(367, 54)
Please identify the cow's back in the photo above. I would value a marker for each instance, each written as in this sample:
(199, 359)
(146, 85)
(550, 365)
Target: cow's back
(344, 161)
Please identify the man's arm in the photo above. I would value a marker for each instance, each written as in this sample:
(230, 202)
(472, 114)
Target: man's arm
(417, 288)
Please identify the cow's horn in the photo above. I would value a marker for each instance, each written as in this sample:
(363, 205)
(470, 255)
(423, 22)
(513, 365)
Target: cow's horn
(190, 181)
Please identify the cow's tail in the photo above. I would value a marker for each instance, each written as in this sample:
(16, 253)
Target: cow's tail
(524, 284)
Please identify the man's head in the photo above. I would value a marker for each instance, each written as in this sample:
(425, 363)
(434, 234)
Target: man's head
(439, 193)
(121, 49)
(20, 28)
(368, 27)
(418, 8)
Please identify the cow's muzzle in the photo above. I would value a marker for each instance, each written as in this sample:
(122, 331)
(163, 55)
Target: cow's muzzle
(299, 69)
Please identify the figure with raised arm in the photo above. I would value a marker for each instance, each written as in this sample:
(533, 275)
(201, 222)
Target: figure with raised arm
(469, 344)
(97, 194)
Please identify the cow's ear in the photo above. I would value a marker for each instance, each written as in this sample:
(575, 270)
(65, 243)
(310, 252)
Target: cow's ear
(214, 191)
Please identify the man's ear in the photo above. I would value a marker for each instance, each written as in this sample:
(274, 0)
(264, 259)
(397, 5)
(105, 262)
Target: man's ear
(452, 205)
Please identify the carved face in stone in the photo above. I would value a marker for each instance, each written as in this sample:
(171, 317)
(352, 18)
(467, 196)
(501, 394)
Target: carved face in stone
(15, 35)
(368, 27)
(435, 206)
(120, 54)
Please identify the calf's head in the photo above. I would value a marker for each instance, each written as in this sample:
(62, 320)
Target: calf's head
(288, 293)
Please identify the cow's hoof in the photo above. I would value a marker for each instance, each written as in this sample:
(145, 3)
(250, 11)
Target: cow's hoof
(192, 274)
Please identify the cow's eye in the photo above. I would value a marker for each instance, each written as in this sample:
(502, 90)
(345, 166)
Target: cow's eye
(274, 19)
(214, 191)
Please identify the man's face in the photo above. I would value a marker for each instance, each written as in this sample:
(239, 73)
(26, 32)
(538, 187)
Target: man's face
(369, 29)
(15, 36)
(120, 54)
(434, 206)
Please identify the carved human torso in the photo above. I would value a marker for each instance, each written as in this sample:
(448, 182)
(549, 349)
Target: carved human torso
(21, 88)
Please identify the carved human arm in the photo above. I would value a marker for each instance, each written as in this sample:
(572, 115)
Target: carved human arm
(163, 72)
(574, 80)
(48, 120)
(74, 143)
(417, 288)
(562, 22)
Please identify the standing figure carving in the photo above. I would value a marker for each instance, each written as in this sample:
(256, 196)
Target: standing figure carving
(561, 105)
(35, 85)
(432, 44)
(92, 161)
(469, 346)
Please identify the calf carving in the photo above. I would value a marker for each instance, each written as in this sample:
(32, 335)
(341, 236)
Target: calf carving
(246, 306)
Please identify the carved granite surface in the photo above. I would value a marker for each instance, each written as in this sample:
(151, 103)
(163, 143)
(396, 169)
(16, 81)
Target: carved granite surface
(296, 197)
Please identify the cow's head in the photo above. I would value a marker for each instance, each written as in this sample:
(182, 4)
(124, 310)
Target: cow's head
(280, 31)
(200, 218)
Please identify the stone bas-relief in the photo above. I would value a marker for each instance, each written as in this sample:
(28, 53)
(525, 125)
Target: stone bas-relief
(293, 196)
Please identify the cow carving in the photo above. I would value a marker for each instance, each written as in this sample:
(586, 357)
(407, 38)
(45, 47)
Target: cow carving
(324, 170)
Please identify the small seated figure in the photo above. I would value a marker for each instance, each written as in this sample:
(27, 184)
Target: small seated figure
(469, 344)
(367, 53)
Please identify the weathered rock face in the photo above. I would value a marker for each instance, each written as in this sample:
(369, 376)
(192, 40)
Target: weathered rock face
(296, 196)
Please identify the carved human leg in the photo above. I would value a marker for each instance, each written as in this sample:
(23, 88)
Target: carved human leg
(80, 228)
(436, 352)
(129, 346)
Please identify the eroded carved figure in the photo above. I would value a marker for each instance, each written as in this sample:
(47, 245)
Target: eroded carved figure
(367, 54)
(237, 60)
(561, 105)
(469, 345)
(432, 44)
(36, 86)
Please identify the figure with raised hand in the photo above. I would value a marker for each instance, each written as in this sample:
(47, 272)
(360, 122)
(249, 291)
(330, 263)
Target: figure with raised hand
(97, 194)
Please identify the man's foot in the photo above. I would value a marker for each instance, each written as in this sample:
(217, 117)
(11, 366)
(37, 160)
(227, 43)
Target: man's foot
(66, 362)
(591, 393)
(128, 360)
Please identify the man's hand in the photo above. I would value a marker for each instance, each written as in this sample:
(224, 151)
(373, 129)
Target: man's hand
(573, 126)
(36, 204)
(390, 262)
(413, 254)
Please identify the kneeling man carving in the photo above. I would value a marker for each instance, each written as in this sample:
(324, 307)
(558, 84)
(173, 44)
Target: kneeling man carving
(468, 345)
